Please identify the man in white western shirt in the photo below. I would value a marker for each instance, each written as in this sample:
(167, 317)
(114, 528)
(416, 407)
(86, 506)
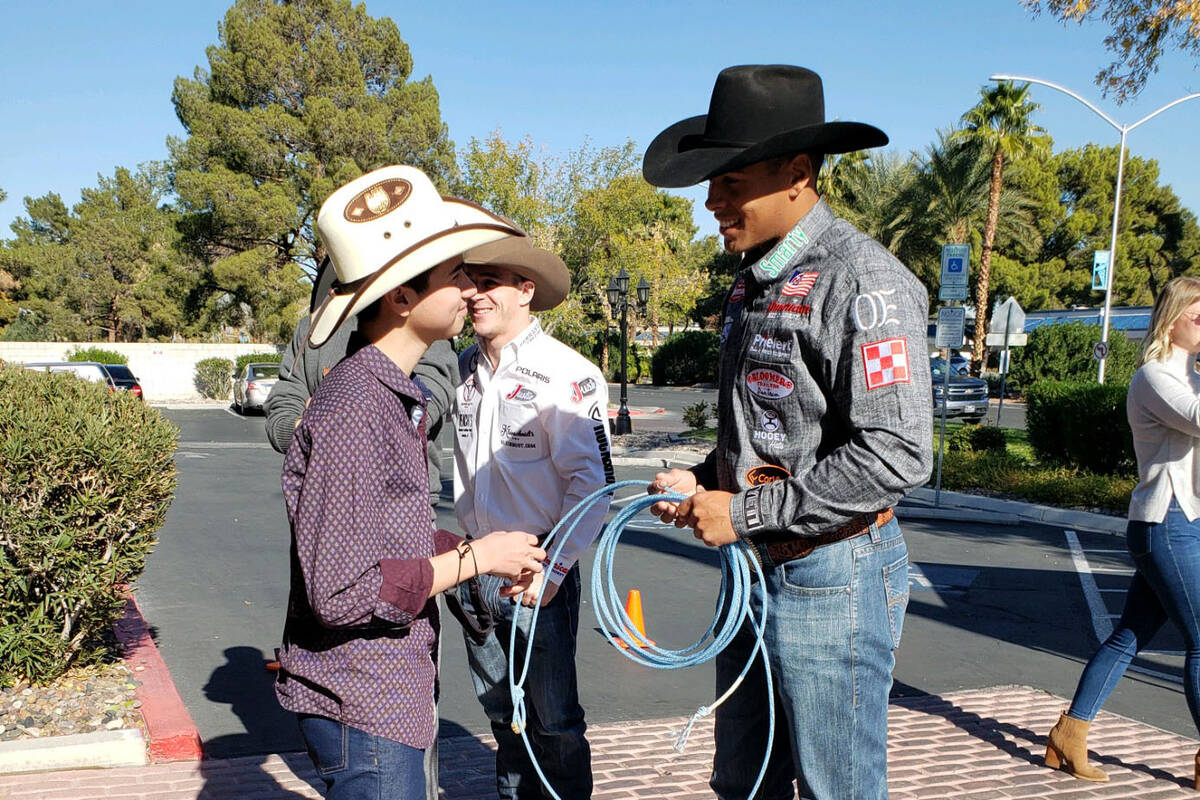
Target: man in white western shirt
(531, 441)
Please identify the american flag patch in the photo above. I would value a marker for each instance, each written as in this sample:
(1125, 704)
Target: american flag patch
(800, 284)
(885, 363)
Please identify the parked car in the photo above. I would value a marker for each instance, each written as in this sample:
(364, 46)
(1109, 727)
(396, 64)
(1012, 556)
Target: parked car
(252, 385)
(92, 371)
(124, 378)
(968, 398)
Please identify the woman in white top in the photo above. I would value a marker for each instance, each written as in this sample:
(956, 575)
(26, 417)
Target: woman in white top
(1163, 535)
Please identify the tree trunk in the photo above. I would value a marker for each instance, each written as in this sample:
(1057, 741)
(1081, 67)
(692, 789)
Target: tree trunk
(985, 258)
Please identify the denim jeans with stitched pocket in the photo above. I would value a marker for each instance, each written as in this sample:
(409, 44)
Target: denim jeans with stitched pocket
(555, 718)
(1165, 586)
(834, 620)
(356, 765)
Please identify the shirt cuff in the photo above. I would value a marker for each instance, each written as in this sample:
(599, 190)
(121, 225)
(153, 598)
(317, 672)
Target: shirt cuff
(444, 541)
(405, 588)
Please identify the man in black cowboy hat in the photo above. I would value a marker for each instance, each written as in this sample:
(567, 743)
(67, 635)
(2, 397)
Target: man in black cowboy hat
(824, 423)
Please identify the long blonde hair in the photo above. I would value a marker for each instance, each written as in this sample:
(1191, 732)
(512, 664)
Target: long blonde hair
(1178, 294)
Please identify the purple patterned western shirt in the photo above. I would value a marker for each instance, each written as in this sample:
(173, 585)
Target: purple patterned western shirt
(360, 641)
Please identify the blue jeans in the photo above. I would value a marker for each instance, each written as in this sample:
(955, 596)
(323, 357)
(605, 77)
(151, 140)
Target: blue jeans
(555, 719)
(1165, 586)
(835, 617)
(356, 765)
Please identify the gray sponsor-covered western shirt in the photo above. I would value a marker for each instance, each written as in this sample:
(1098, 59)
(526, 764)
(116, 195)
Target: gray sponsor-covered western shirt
(824, 405)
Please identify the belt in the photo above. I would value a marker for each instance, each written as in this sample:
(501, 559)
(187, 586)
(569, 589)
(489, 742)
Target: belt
(779, 552)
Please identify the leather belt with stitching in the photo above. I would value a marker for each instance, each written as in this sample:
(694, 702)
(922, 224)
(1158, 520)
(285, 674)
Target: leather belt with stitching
(779, 552)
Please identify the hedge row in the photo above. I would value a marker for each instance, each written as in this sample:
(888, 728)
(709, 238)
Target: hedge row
(1082, 424)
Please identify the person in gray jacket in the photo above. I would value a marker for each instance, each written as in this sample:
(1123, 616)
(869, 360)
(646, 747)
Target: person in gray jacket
(436, 372)
(823, 423)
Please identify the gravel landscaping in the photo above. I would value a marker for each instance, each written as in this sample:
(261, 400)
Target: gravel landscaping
(86, 699)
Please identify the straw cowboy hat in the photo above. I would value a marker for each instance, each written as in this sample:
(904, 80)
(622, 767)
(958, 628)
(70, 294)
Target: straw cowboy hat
(547, 271)
(385, 228)
(756, 112)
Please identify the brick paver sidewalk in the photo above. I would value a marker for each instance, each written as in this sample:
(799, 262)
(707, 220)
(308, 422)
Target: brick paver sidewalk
(978, 744)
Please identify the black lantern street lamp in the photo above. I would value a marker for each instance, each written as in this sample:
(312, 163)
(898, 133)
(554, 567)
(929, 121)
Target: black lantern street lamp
(618, 295)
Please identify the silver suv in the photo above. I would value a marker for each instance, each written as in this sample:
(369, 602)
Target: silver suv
(968, 398)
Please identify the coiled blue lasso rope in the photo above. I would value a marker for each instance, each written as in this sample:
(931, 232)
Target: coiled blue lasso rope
(737, 560)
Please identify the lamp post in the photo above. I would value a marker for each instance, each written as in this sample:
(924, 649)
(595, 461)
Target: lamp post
(1112, 248)
(618, 295)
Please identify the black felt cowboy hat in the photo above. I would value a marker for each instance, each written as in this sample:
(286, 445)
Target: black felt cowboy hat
(756, 112)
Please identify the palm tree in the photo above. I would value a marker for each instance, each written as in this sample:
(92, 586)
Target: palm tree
(1000, 124)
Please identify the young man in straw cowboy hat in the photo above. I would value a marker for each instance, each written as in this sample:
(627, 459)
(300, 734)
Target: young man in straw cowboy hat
(531, 442)
(358, 659)
(824, 423)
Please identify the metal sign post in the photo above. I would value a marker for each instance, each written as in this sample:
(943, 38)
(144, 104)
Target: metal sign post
(950, 324)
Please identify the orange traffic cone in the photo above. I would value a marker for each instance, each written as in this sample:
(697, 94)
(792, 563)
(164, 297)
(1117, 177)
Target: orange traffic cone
(633, 610)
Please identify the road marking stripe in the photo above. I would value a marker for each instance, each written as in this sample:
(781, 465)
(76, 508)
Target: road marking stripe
(1113, 571)
(1100, 622)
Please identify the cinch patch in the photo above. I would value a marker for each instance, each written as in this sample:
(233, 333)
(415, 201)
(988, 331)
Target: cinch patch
(885, 363)
(769, 383)
(521, 394)
(800, 284)
(583, 389)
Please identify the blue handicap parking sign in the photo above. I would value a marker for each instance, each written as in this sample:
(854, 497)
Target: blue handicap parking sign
(954, 265)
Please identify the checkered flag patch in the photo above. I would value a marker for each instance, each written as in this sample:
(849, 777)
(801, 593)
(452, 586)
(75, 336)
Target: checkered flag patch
(885, 362)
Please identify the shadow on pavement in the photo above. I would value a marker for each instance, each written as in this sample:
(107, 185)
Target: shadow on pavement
(244, 682)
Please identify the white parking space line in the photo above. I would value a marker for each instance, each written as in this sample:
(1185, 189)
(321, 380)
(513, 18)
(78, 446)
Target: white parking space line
(1091, 593)
(233, 413)
(1112, 571)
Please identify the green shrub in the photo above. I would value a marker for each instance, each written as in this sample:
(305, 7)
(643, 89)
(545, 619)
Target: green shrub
(1082, 425)
(695, 416)
(1054, 485)
(96, 354)
(986, 438)
(686, 358)
(255, 358)
(1063, 352)
(960, 441)
(213, 377)
(86, 477)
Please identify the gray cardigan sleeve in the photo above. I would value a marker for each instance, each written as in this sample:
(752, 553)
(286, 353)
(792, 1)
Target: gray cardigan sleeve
(285, 403)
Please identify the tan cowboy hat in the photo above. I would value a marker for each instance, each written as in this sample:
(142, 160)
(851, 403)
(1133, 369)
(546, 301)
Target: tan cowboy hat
(386, 227)
(547, 271)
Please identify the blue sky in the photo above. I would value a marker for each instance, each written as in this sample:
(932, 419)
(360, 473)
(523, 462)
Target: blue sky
(86, 87)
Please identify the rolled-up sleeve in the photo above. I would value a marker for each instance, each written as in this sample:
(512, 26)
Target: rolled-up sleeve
(338, 530)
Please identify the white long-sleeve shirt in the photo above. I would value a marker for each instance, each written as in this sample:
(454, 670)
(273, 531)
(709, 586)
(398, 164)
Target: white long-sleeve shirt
(531, 441)
(1163, 406)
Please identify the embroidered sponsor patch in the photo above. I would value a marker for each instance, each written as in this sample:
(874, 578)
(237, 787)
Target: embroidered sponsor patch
(769, 383)
(885, 363)
(779, 306)
(738, 293)
(594, 412)
(469, 390)
(519, 438)
(582, 389)
(610, 475)
(800, 284)
(375, 201)
(784, 252)
(521, 394)
(766, 473)
(771, 349)
(770, 428)
(529, 373)
(873, 310)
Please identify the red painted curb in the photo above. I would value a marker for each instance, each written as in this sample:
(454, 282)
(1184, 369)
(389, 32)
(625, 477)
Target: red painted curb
(173, 734)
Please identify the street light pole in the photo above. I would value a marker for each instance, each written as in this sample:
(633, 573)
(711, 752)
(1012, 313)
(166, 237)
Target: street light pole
(618, 295)
(1124, 131)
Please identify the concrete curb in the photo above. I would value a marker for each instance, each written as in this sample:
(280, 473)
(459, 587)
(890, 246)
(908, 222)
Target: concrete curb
(173, 734)
(101, 749)
(1025, 512)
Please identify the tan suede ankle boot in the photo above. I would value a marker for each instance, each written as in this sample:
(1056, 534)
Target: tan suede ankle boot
(1066, 748)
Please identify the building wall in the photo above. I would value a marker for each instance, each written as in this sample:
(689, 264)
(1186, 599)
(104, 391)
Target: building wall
(167, 371)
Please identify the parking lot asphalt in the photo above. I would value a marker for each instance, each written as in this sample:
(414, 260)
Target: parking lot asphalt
(990, 605)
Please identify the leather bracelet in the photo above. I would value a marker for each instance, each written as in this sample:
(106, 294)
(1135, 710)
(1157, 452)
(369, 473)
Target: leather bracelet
(462, 549)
